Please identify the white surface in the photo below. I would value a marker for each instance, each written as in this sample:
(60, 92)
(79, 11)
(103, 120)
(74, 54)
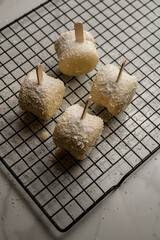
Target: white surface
(131, 212)
(12, 9)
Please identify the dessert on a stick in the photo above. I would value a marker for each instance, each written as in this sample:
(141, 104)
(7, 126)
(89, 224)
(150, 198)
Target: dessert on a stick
(113, 88)
(41, 94)
(76, 51)
(77, 131)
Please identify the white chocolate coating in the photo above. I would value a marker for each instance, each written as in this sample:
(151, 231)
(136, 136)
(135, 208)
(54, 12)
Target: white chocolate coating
(115, 96)
(76, 58)
(75, 135)
(42, 100)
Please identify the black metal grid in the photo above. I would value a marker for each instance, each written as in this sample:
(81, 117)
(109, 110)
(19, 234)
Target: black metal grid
(66, 189)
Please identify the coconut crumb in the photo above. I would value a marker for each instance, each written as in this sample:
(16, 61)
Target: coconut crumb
(59, 153)
(43, 135)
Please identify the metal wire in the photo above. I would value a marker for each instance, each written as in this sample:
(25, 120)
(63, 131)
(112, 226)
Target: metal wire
(66, 189)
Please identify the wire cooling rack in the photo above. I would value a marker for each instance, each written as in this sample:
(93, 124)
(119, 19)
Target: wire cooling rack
(63, 188)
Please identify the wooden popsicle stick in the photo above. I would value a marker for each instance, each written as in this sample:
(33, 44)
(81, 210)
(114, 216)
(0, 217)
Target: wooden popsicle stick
(85, 108)
(121, 70)
(39, 74)
(79, 34)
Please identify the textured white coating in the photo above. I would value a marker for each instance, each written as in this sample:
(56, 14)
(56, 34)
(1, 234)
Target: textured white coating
(115, 96)
(67, 42)
(42, 100)
(76, 58)
(75, 135)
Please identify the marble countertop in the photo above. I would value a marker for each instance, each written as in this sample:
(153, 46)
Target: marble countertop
(131, 212)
